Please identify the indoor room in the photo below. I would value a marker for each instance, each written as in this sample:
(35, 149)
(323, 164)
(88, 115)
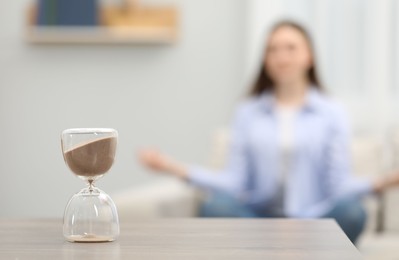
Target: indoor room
(187, 129)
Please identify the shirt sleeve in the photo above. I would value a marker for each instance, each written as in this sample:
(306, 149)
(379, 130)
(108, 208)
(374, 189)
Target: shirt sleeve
(232, 178)
(339, 181)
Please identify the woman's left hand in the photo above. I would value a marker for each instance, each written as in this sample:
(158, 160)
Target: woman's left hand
(384, 183)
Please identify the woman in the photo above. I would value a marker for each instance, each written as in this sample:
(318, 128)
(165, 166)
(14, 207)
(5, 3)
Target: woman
(289, 155)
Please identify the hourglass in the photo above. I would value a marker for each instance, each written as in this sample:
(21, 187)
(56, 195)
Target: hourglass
(90, 215)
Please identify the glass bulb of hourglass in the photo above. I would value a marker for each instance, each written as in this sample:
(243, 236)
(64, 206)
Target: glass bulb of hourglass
(90, 215)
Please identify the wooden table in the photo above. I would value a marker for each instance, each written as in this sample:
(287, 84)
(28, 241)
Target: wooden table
(183, 239)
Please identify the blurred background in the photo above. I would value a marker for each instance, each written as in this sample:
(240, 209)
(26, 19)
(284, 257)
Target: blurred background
(167, 95)
(178, 93)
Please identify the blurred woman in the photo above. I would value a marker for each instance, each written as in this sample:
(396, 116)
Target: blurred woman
(289, 154)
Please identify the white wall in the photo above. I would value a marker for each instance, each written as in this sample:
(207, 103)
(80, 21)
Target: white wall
(171, 97)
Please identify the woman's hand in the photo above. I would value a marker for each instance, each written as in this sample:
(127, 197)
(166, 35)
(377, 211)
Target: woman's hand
(159, 162)
(153, 159)
(384, 183)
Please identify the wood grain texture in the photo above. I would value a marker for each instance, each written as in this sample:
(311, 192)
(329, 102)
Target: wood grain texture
(183, 239)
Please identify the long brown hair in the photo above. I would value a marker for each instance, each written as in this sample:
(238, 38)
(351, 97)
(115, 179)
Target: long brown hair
(264, 82)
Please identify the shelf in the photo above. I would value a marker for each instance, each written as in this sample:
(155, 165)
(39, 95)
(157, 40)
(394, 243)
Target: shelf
(141, 25)
(99, 35)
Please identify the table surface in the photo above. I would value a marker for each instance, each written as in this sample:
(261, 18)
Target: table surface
(183, 239)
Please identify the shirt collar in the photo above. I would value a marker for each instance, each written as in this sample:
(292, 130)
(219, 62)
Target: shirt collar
(313, 98)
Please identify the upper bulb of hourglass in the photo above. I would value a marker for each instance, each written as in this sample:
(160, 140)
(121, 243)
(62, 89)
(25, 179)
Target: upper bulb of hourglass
(89, 155)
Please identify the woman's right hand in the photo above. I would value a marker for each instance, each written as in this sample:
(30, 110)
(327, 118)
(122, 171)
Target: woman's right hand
(159, 162)
(153, 159)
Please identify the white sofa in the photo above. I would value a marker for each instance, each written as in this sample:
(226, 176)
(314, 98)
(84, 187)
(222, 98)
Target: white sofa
(371, 157)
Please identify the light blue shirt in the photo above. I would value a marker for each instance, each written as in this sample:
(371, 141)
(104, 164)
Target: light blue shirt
(320, 166)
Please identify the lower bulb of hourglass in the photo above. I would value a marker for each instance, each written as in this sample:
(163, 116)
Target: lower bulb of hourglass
(91, 216)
